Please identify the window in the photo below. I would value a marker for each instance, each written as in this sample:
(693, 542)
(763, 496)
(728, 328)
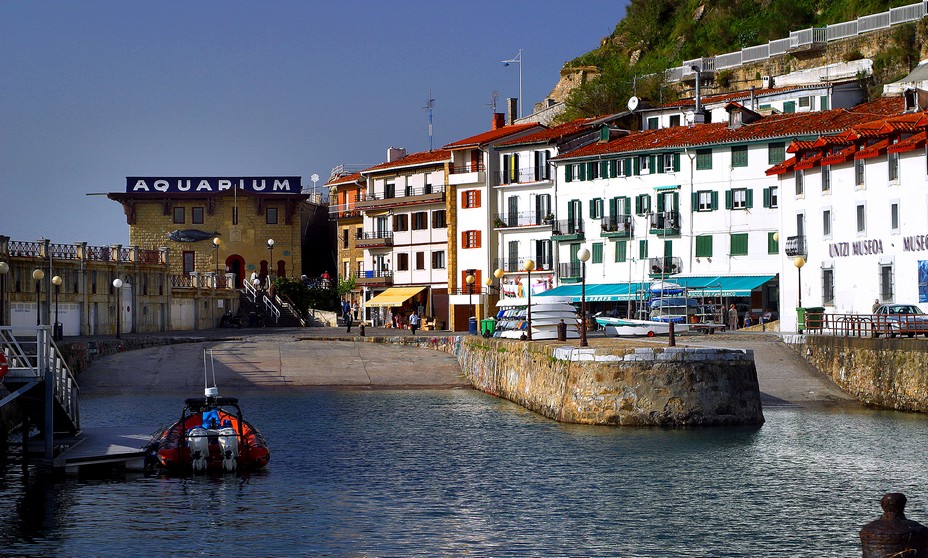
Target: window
(823, 102)
(270, 216)
(826, 223)
(704, 159)
(196, 215)
(805, 102)
(861, 219)
(596, 208)
(886, 282)
(642, 249)
(470, 199)
(389, 190)
(344, 238)
(739, 244)
(597, 252)
(402, 262)
(706, 200)
(828, 286)
(644, 164)
(859, 172)
(894, 216)
(621, 252)
(189, 262)
(893, 160)
(789, 107)
(739, 156)
(438, 259)
(652, 123)
(671, 162)
(773, 245)
(470, 239)
(776, 153)
(544, 256)
(542, 171)
(800, 182)
(420, 260)
(770, 196)
(826, 178)
(704, 246)
(643, 204)
(674, 120)
(179, 215)
(420, 221)
(739, 198)
(438, 219)
(400, 222)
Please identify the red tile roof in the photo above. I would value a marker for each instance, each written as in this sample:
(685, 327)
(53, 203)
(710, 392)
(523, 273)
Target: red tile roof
(556, 133)
(842, 156)
(809, 162)
(909, 144)
(413, 160)
(879, 148)
(782, 167)
(344, 179)
(492, 135)
(736, 96)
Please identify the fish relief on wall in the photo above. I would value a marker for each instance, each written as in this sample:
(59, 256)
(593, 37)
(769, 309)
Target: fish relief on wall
(190, 235)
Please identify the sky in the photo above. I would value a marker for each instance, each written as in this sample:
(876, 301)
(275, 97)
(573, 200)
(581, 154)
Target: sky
(93, 91)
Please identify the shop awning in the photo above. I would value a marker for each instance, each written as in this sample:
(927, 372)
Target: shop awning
(601, 292)
(728, 285)
(394, 296)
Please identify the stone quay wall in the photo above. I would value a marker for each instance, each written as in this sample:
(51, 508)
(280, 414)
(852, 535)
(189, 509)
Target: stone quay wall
(886, 373)
(639, 387)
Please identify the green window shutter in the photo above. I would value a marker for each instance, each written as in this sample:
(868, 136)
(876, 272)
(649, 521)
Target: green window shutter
(824, 102)
(776, 153)
(655, 164)
(704, 246)
(568, 173)
(739, 244)
(570, 209)
(597, 252)
(749, 198)
(627, 204)
(660, 203)
(789, 107)
(695, 201)
(621, 251)
(642, 249)
(676, 201)
(715, 200)
(728, 201)
(603, 169)
(613, 205)
(668, 248)
(638, 205)
(636, 166)
(604, 133)
(582, 171)
(592, 209)
(613, 168)
(591, 170)
(766, 197)
(704, 159)
(676, 162)
(773, 247)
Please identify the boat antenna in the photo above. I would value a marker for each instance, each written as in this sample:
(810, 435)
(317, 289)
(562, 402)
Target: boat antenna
(207, 390)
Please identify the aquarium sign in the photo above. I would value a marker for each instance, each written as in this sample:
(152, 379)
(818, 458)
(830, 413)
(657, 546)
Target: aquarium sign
(207, 185)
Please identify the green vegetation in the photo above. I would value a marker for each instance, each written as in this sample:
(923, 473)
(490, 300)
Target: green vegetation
(659, 34)
(305, 297)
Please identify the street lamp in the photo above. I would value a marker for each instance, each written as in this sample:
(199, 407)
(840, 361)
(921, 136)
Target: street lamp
(470, 292)
(4, 269)
(528, 267)
(216, 243)
(117, 284)
(517, 59)
(583, 255)
(38, 275)
(799, 261)
(56, 280)
(270, 247)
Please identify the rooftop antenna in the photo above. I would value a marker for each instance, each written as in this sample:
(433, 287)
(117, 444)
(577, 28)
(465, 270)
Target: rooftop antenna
(314, 178)
(428, 106)
(492, 104)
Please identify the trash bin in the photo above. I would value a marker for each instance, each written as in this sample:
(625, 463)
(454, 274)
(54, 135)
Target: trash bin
(800, 319)
(473, 326)
(58, 334)
(815, 317)
(562, 331)
(487, 327)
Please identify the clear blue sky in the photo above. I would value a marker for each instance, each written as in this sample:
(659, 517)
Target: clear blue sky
(94, 91)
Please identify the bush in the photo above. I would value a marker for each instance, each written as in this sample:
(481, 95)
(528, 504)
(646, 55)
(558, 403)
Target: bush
(304, 297)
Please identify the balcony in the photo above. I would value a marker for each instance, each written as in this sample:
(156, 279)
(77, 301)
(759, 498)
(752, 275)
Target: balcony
(666, 265)
(567, 230)
(795, 246)
(569, 272)
(344, 210)
(472, 173)
(523, 219)
(373, 278)
(617, 226)
(408, 196)
(527, 175)
(381, 239)
(664, 222)
(517, 264)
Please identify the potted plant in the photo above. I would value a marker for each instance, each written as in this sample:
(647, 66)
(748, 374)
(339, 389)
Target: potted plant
(549, 218)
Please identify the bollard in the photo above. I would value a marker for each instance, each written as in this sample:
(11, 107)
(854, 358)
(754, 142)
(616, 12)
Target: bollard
(672, 339)
(562, 331)
(362, 329)
(893, 534)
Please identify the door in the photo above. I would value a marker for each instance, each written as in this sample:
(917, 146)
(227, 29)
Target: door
(125, 308)
(189, 262)
(513, 216)
(512, 262)
(573, 217)
(235, 264)
(542, 207)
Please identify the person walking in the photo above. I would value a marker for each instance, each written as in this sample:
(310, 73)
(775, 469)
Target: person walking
(348, 321)
(414, 322)
(876, 304)
(732, 318)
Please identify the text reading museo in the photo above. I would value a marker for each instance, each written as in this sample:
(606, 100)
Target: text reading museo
(283, 184)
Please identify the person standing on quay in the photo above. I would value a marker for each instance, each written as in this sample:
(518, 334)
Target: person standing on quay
(414, 322)
(732, 318)
(348, 321)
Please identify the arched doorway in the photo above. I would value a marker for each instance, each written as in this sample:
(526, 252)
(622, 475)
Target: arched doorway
(236, 264)
(281, 269)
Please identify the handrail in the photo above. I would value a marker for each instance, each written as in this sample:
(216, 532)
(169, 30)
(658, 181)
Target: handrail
(271, 308)
(250, 291)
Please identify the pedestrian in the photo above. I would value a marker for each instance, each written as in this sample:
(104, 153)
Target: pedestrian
(748, 320)
(354, 309)
(732, 318)
(414, 322)
(876, 304)
(346, 308)
(348, 321)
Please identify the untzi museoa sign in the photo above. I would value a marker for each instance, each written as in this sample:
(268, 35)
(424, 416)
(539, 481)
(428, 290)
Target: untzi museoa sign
(204, 184)
(858, 248)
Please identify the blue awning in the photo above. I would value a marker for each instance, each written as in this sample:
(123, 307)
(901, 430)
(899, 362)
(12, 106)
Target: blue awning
(602, 292)
(722, 285)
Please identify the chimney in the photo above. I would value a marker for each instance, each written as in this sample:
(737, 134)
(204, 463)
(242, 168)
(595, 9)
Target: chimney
(512, 105)
(499, 120)
(395, 154)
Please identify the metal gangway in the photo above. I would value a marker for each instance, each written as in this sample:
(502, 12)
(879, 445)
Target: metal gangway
(41, 382)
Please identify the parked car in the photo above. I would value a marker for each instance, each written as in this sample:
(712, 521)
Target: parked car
(899, 319)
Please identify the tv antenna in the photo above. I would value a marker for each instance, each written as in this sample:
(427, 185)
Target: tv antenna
(493, 97)
(428, 106)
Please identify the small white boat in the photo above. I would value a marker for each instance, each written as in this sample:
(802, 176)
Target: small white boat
(624, 327)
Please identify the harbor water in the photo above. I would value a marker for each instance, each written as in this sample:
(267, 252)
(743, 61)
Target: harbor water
(457, 472)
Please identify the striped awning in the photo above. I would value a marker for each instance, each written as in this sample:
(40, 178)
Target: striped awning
(394, 296)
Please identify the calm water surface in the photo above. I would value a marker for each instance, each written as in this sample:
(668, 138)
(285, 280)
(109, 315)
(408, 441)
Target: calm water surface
(457, 472)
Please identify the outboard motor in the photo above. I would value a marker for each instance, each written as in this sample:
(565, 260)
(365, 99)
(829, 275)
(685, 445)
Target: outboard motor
(228, 445)
(199, 448)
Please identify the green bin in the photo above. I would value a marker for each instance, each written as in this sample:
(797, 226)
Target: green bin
(800, 319)
(815, 317)
(488, 326)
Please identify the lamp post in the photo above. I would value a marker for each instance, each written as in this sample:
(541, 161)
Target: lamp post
(528, 267)
(117, 284)
(799, 261)
(583, 255)
(489, 283)
(517, 59)
(270, 247)
(4, 269)
(216, 243)
(470, 292)
(56, 334)
(38, 275)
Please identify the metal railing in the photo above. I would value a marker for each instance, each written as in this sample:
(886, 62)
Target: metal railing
(665, 265)
(523, 175)
(520, 219)
(568, 270)
(63, 251)
(371, 274)
(270, 308)
(22, 249)
(518, 263)
(567, 227)
(795, 246)
(466, 168)
(405, 193)
(181, 281)
(150, 257)
(617, 224)
(664, 220)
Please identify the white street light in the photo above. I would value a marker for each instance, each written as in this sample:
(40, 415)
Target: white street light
(517, 59)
